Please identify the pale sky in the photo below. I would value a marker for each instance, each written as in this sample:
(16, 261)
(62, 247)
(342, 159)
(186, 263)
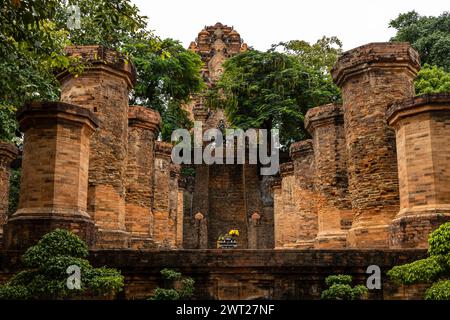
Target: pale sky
(264, 22)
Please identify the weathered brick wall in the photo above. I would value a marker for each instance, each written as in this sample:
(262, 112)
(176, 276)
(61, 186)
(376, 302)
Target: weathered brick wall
(227, 206)
(199, 202)
(248, 274)
(302, 155)
(326, 125)
(54, 173)
(179, 220)
(103, 88)
(165, 202)
(422, 126)
(371, 77)
(173, 204)
(142, 130)
(161, 193)
(8, 152)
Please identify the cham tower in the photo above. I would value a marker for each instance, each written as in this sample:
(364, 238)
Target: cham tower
(222, 197)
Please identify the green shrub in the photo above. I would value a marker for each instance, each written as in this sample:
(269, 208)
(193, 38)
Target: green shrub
(185, 292)
(340, 288)
(435, 269)
(46, 274)
(439, 291)
(338, 279)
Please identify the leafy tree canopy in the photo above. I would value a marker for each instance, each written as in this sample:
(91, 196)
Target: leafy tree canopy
(340, 288)
(33, 34)
(183, 291)
(434, 270)
(430, 36)
(432, 79)
(46, 273)
(274, 89)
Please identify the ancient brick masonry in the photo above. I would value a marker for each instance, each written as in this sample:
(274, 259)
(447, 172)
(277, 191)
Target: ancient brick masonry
(371, 77)
(422, 126)
(54, 173)
(295, 199)
(103, 89)
(143, 127)
(8, 152)
(165, 203)
(326, 125)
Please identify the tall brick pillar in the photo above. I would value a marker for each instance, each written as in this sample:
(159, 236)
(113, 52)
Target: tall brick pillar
(371, 77)
(54, 180)
(161, 189)
(143, 128)
(422, 126)
(8, 152)
(326, 126)
(277, 210)
(302, 155)
(103, 88)
(180, 213)
(286, 220)
(174, 194)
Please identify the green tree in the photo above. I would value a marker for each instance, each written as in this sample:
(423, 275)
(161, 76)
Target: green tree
(167, 78)
(33, 34)
(340, 288)
(275, 89)
(167, 73)
(46, 273)
(183, 286)
(429, 35)
(432, 79)
(434, 270)
(30, 47)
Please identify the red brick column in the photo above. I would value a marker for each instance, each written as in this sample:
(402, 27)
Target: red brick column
(172, 226)
(326, 125)
(8, 152)
(422, 126)
(277, 211)
(302, 155)
(143, 128)
(371, 77)
(161, 187)
(53, 187)
(180, 213)
(103, 88)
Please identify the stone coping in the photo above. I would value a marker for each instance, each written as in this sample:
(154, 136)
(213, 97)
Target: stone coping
(50, 109)
(8, 151)
(286, 169)
(141, 116)
(100, 55)
(301, 148)
(376, 54)
(322, 115)
(412, 106)
(238, 258)
(163, 148)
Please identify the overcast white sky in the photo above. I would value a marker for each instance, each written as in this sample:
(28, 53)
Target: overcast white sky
(264, 22)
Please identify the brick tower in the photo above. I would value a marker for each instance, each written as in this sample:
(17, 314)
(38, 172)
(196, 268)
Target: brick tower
(326, 125)
(53, 186)
(103, 88)
(371, 77)
(8, 152)
(422, 126)
(226, 196)
(143, 128)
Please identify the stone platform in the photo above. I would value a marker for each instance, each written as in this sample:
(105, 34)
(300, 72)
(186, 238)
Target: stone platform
(247, 274)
